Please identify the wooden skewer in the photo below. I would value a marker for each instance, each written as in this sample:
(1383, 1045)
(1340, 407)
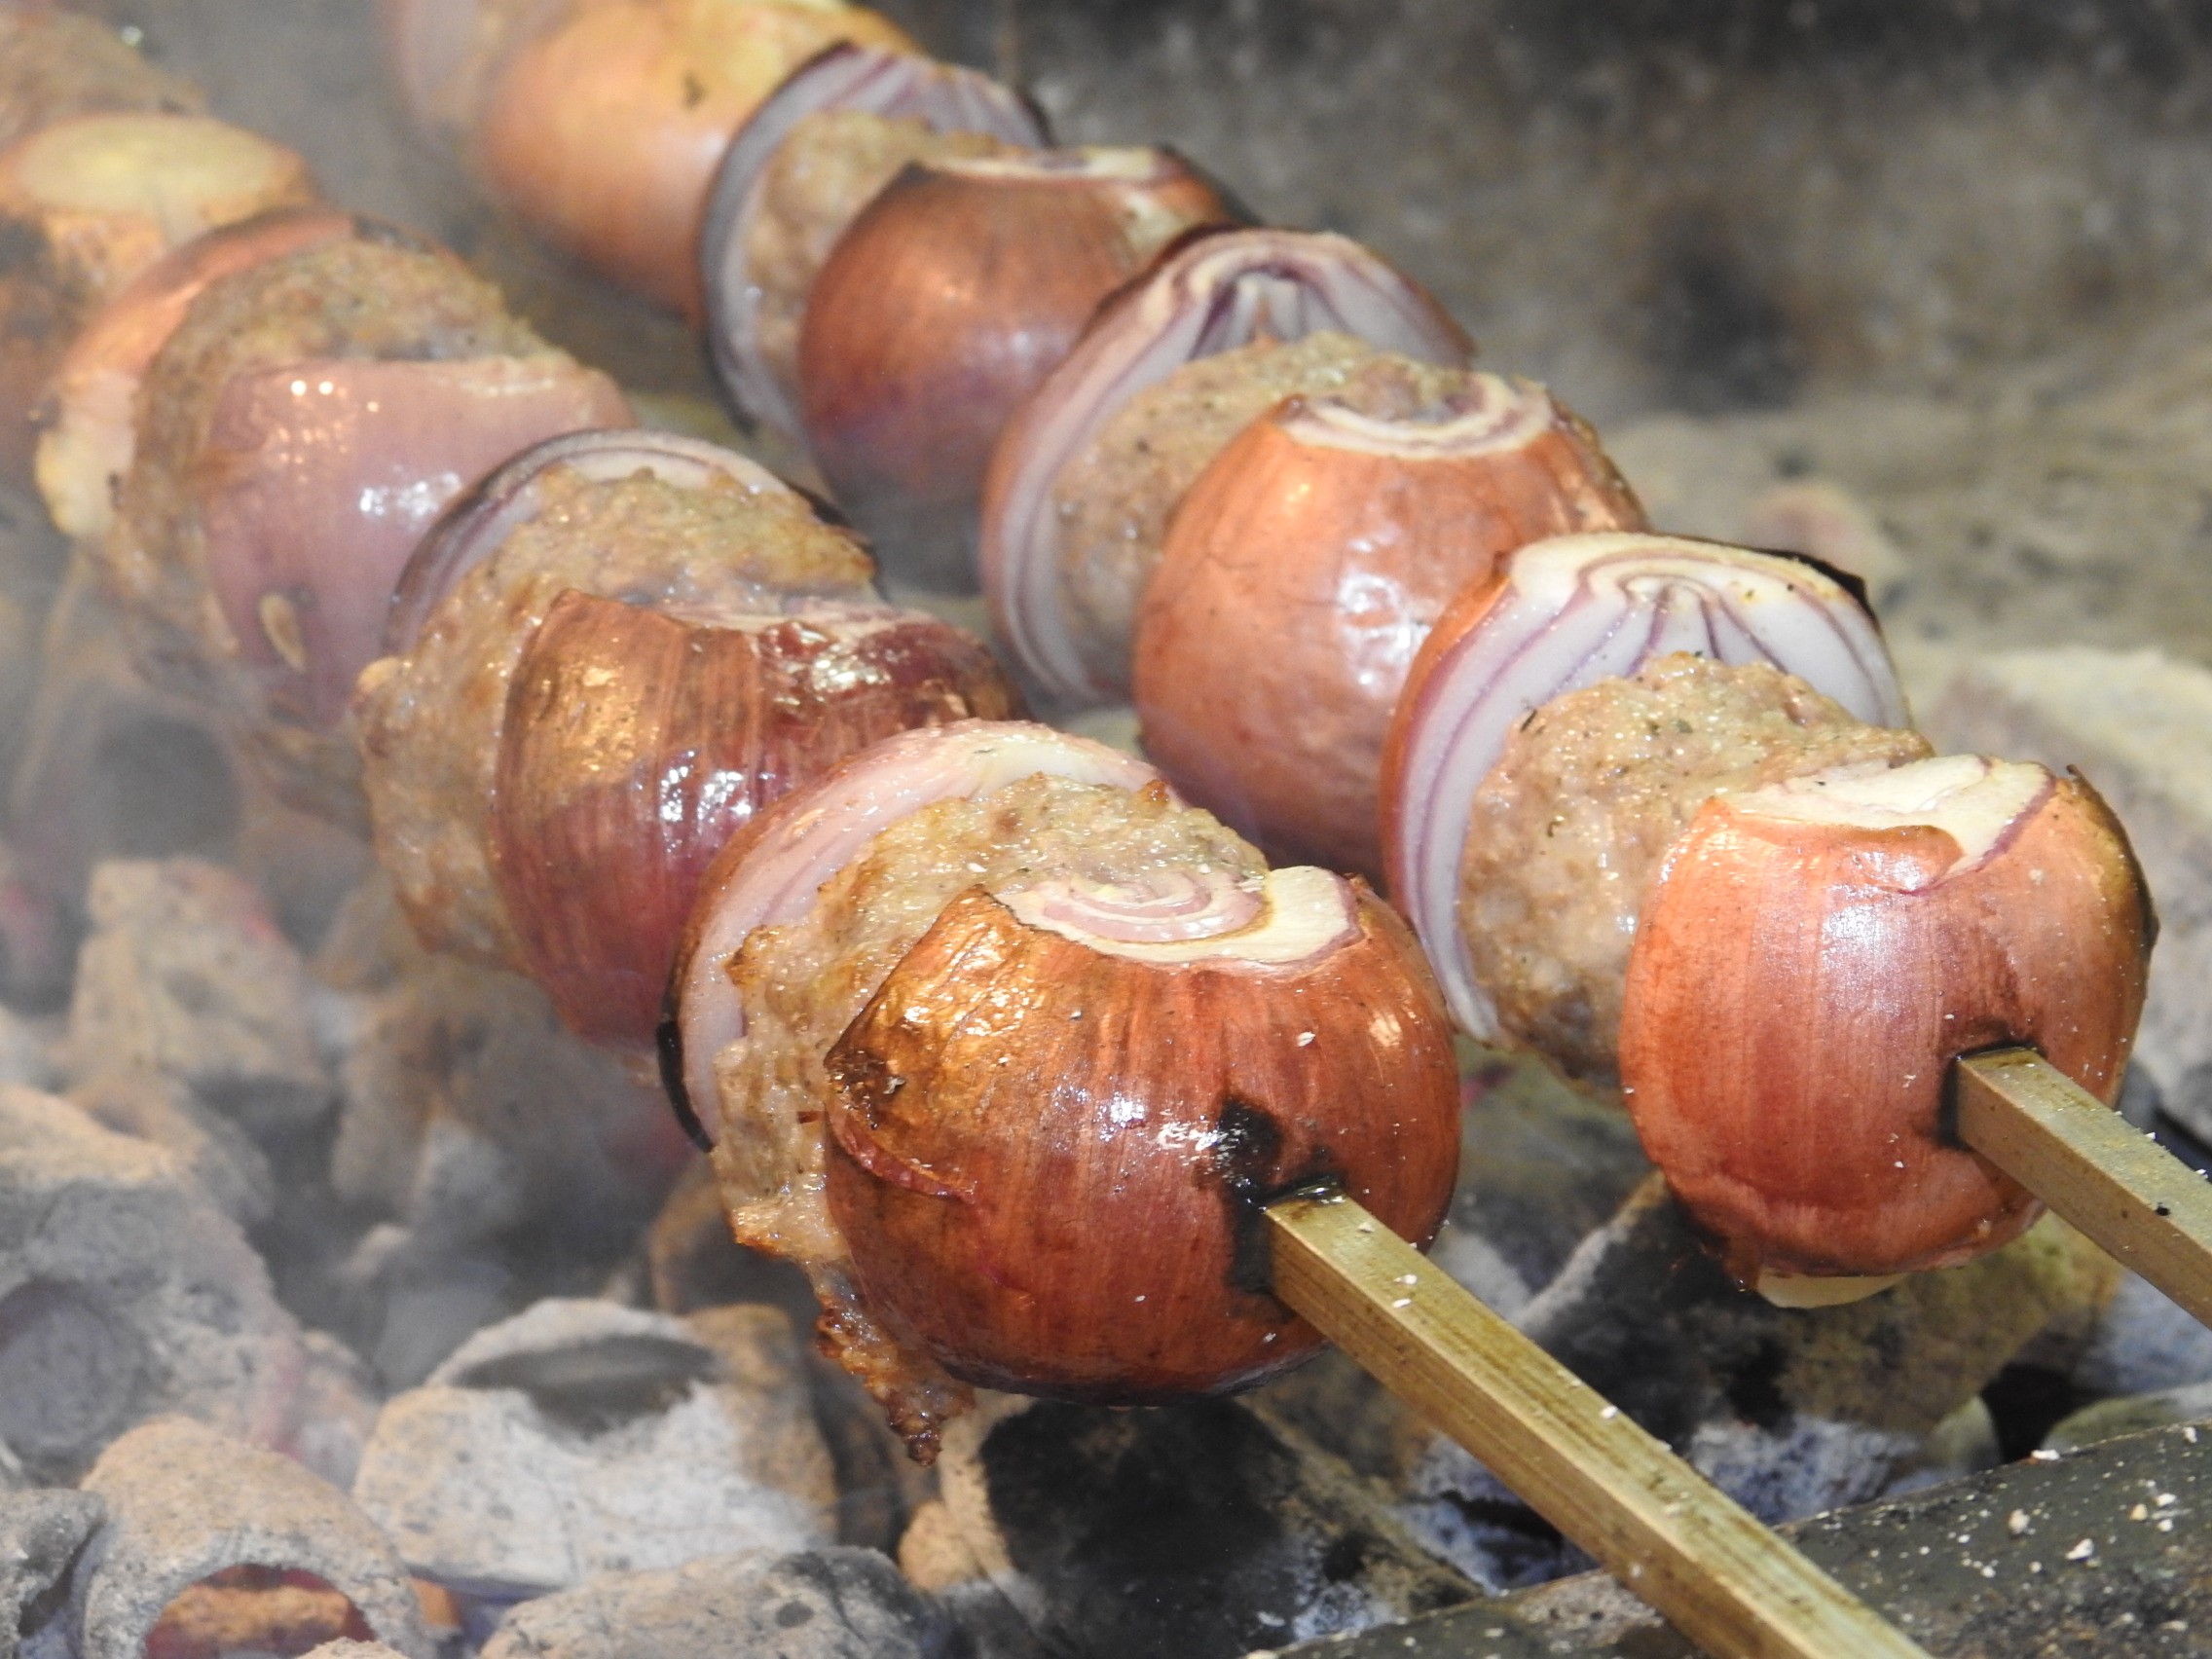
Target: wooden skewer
(2149, 1209)
(1721, 1578)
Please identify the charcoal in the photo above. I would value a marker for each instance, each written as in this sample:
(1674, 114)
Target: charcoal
(1192, 1531)
(25, 1056)
(230, 1167)
(186, 976)
(2130, 1413)
(38, 937)
(1790, 1411)
(126, 1292)
(344, 1648)
(41, 1532)
(2143, 1342)
(583, 1437)
(2138, 724)
(832, 1603)
(185, 1503)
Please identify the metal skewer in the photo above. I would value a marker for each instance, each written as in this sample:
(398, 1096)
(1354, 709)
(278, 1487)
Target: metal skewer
(2146, 1207)
(1723, 1580)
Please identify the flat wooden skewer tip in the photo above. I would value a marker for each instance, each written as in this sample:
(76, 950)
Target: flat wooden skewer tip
(1721, 1578)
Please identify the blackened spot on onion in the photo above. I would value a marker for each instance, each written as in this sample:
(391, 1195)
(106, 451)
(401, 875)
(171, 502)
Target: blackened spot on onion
(1247, 1155)
(668, 1047)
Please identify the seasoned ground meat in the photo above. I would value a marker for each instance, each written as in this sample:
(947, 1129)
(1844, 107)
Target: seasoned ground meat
(429, 723)
(56, 64)
(1569, 829)
(1114, 500)
(832, 166)
(802, 984)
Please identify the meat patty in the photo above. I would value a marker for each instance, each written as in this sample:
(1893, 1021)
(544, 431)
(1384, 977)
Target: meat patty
(1570, 828)
(430, 721)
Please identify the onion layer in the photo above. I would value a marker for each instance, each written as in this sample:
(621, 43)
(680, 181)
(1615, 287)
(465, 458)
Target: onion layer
(318, 481)
(603, 132)
(1051, 1149)
(1217, 293)
(772, 868)
(1815, 957)
(635, 743)
(950, 297)
(1301, 574)
(895, 84)
(1562, 614)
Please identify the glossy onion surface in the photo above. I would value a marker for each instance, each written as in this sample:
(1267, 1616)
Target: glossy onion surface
(1049, 1151)
(635, 743)
(949, 299)
(1815, 956)
(1301, 574)
(1564, 613)
(895, 84)
(1218, 292)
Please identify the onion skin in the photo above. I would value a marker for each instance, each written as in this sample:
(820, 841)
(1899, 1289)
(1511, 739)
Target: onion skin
(1301, 576)
(1797, 992)
(603, 133)
(1049, 1160)
(635, 743)
(951, 296)
(88, 416)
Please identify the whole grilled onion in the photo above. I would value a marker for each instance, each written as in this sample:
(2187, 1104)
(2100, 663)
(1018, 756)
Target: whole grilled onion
(88, 203)
(1217, 294)
(1813, 959)
(87, 419)
(1564, 613)
(1191, 1033)
(636, 742)
(1308, 564)
(950, 297)
(901, 102)
(601, 129)
(658, 523)
(1053, 1044)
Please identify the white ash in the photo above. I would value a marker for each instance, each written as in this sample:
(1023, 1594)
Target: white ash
(185, 1503)
(40, 1536)
(186, 975)
(581, 1437)
(226, 1162)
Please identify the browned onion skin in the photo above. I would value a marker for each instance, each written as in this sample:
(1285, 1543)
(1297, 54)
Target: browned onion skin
(1001, 1202)
(953, 293)
(602, 130)
(637, 743)
(1794, 1007)
(1299, 579)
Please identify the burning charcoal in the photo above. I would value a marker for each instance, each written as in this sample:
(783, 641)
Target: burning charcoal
(187, 1505)
(583, 1437)
(469, 1112)
(40, 1536)
(220, 1155)
(833, 1604)
(2139, 726)
(185, 974)
(1789, 1410)
(1243, 1534)
(124, 1292)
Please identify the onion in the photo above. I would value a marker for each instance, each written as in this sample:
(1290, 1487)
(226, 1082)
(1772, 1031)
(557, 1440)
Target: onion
(635, 743)
(1217, 293)
(771, 869)
(602, 130)
(1159, 1094)
(319, 478)
(1562, 614)
(1815, 955)
(88, 203)
(952, 295)
(1305, 566)
(895, 84)
(89, 415)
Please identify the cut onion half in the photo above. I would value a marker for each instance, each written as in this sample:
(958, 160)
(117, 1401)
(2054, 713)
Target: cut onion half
(770, 872)
(896, 85)
(1213, 294)
(1564, 613)
(480, 519)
